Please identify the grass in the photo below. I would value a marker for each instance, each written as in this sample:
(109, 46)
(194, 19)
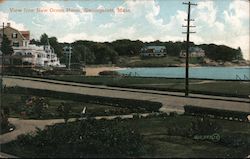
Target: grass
(158, 143)
(216, 87)
(136, 61)
(15, 103)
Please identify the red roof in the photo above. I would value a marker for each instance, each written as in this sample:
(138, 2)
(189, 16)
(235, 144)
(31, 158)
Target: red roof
(26, 34)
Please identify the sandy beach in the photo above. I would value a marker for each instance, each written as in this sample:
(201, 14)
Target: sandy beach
(94, 71)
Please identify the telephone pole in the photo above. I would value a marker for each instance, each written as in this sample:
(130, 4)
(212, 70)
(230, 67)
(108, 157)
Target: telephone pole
(2, 65)
(187, 46)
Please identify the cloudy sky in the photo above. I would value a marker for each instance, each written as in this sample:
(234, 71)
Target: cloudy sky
(218, 21)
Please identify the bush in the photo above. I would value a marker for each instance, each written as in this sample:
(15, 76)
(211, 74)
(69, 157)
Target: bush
(109, 73)
(204, 126)
(116, 102)
(195, 110)
(4, 123)
(88, 138)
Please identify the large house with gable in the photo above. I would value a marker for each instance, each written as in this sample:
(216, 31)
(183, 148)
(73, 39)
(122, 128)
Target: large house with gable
(29, 54)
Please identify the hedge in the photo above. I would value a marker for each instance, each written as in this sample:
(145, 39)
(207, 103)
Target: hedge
(195, 110)
(109, 73)
(118, 102)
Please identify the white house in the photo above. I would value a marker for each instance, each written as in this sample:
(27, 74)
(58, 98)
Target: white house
(37, 55)
(30, 54)
(193, 52)
(153, 51)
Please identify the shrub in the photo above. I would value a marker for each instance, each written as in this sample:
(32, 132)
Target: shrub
(4, 123)
(195, 110)
(64, 110)
(118, 102)
(204, 126)
(87, 138)
(109, 73)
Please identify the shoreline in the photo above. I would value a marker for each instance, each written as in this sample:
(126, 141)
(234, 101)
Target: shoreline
(95, 70)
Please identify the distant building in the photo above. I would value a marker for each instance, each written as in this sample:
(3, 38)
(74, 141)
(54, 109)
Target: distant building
(17, 38)
(26, 53)
(193, 52)
(153, 51)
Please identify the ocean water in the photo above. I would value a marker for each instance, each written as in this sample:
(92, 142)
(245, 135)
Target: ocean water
(225, 73)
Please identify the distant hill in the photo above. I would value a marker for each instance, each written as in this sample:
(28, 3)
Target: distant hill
(109, 52)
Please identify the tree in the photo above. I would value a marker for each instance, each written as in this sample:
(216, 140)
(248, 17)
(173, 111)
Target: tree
(6, 47)
(104, 54)
(127, 47)
(36, 42)
(39, 106)
(57, 47)
(3, 121)
(239, 55)
(80, 52)
(64, 111)
(44, 39)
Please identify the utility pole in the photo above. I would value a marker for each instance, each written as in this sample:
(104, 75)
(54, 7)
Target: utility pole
(187, 47)
(70, 49)
(2, 72)
(67, 50)
(85, 56)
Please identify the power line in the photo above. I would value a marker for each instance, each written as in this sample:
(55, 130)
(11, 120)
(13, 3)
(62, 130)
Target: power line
(187, 45)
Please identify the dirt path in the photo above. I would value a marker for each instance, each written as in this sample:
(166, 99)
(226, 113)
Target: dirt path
(25, 126)
(29, 126)
(172, 101)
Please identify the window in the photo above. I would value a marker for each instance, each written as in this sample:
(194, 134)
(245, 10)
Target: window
(18, 53)
(16, 44)
(14, 35)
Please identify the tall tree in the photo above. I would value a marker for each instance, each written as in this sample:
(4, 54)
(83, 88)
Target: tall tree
(80, 52)
(57, 47)
(239, 55)
(44, 39)
(6, 47)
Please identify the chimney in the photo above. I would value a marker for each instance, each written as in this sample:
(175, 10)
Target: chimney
(8, 24)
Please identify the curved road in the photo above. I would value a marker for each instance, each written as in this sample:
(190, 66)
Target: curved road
(172, 101)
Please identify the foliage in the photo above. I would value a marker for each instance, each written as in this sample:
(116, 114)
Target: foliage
(44, 39)
(38, 106)
(116, 102)
(88, 138)
(64, 111)
(127, 47)
(56, 46)
(217, 113)
(80, 52)
(6, 46)
(4, 123)
(109, 73)
(221, 52)
(104, 54)
(204, 126)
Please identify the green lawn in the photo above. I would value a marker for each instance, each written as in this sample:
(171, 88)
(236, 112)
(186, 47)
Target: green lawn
(160, 144)
(136, 61)
(157, 142)
(223, 88)
(16, 105)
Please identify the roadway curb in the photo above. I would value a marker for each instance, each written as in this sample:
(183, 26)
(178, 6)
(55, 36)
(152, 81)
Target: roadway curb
(5, 155)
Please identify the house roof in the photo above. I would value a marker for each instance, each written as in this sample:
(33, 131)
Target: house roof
(195, 49)
(155, 47)
(16, 31)
(26, 34)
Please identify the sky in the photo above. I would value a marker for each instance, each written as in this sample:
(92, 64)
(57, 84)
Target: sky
(222, 22)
